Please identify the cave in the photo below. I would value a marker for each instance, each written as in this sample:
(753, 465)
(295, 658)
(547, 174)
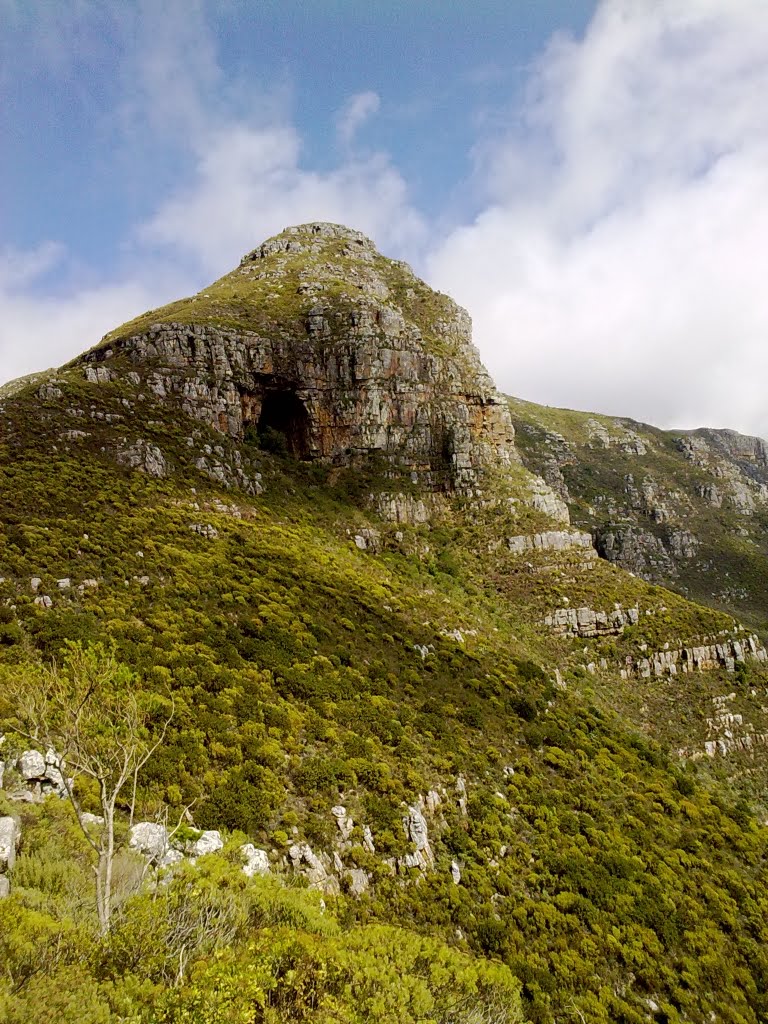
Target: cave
(284, 415)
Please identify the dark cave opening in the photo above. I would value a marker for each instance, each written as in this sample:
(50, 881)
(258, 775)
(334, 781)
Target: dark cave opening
(284, 424)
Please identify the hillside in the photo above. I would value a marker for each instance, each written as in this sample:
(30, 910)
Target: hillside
(367, 586)
(688, 509)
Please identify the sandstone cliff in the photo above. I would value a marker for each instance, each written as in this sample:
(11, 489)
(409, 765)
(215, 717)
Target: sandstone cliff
(343, 352)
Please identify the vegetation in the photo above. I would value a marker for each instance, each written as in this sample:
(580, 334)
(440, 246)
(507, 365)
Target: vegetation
(590, 863)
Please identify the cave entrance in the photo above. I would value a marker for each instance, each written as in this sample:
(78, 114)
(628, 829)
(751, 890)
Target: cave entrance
(283, 424)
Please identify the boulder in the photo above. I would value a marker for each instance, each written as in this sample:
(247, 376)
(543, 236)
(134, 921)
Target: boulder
(208, 842)
(256, 860)
(150, 839)
(343, 821)
(32, 766)
(10, 832)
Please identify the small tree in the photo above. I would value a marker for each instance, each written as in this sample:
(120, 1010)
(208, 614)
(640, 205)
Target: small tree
(92, 714)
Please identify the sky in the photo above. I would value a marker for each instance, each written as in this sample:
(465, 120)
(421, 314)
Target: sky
(589, 178)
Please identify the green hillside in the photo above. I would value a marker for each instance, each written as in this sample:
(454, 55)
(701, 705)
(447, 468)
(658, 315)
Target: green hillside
(492, 742)
(688, 509)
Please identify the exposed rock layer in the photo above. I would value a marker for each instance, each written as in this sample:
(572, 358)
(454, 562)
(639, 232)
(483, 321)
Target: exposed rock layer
(348, 355)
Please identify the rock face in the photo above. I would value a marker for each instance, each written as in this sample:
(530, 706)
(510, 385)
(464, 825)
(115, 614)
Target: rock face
(586, 622)
(319, 339)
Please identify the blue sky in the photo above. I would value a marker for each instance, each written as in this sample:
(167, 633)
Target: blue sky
(588, 178)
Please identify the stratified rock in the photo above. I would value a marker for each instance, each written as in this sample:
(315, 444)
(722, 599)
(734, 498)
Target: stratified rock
(552, 540)
(342, 352)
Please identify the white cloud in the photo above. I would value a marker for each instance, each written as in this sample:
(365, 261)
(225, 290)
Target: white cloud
(249, 184)
(619, 263)
(39, 330)
(240, 179)
(353, 115)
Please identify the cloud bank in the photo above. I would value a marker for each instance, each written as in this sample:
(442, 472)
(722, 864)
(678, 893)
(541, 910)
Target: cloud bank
(617, 264)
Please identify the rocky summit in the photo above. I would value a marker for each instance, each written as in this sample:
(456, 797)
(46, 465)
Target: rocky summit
(345, 353)
(337, 687)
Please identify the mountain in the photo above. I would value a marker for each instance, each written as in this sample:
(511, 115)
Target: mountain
(688, 509)
(429, 649)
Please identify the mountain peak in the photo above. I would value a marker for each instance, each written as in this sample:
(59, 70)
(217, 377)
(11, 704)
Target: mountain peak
(346, 353)
(312, 236)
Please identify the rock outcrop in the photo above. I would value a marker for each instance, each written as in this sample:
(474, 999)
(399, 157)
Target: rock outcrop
(344, 354)
(10, 833)
(586, 622)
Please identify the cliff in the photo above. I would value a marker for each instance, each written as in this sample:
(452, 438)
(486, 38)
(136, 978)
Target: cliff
(343, 352)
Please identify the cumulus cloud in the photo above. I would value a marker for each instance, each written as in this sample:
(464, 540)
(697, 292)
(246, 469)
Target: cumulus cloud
(39, 329)
(617, 264)
(353, 115)
(239, 179)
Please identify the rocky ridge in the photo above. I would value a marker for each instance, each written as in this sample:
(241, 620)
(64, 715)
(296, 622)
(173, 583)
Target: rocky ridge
(687, 509)
(344, 353)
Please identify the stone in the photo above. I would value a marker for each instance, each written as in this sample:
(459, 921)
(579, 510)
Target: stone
(455, 872)
(552, 540)
(208, 842)
(145, 457)
(368, 839)
(5, 887)
(91, 820)
(150, 839)
(461, 794)
(545, 500)
(256, 860)
(432, 801)
(417, 832)
(35, 583)
(344, 822)
(97, 375)
(31, 766)
(359, 881)
(205, 530)
(10, 833)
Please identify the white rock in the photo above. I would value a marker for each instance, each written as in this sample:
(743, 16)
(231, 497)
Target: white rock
(343, 820)
(455, 872)
(5, 887)
(169, 858)
(256, 860)
(368, 839)
(35, 583)
(89, 819)
(208, 842)
(64, 584)
(10, 832)
(149, 839)
(31, 765)
(358, 881)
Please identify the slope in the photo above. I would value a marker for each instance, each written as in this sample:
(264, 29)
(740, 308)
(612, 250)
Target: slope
(400, 625)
